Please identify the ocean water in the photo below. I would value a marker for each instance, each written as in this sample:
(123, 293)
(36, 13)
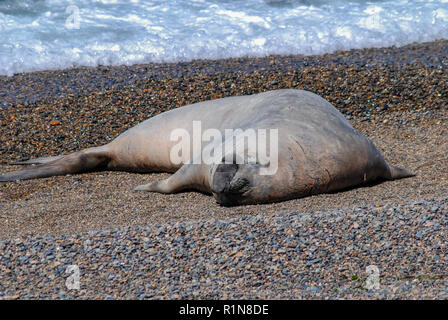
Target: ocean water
(56, 34)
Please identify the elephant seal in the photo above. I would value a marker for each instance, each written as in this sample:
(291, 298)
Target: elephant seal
(318, 151)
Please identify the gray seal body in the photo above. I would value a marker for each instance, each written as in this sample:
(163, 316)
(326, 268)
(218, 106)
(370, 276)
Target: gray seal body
(318, 151)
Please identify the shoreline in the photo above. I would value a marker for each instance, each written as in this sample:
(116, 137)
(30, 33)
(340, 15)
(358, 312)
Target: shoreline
(395, 96)
(82, 80)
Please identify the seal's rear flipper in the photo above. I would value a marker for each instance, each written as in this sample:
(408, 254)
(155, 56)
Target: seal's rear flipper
(82, 161)
(37, 160)
(398, 173)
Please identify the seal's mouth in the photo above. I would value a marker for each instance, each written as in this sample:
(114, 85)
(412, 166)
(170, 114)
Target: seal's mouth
(227, 200)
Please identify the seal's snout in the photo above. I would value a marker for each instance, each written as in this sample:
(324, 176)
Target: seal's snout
(227, 186)
(222, 177)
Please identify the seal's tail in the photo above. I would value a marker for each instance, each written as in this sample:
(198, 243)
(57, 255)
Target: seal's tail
(82, 161)
(398, 173)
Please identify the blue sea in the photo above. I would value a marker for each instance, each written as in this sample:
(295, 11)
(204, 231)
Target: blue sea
(57, 34)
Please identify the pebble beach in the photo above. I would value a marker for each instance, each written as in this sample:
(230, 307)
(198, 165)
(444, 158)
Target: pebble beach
(185, 246)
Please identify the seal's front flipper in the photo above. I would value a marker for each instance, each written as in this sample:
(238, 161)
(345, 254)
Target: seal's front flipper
(163, 186)
(186, 178)
(175, 183)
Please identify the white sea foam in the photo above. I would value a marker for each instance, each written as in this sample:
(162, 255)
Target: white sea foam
(39, 35)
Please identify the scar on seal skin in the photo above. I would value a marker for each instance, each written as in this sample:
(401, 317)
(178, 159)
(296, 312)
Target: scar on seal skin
(318, 151)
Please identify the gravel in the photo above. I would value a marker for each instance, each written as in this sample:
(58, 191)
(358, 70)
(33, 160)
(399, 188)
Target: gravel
(315, 255)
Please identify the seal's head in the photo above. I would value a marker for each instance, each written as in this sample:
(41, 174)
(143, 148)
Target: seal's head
(237, 184)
